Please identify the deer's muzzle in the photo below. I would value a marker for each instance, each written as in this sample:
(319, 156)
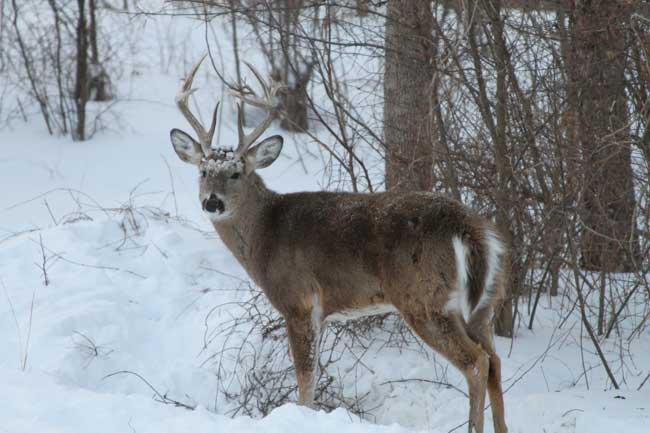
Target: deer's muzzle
(213, 204)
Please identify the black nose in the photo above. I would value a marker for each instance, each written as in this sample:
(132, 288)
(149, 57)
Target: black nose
(213, 204)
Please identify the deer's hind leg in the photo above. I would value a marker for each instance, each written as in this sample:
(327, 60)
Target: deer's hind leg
(446, 334)
(479, 329)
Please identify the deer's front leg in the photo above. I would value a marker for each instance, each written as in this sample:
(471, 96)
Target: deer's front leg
(304, 338)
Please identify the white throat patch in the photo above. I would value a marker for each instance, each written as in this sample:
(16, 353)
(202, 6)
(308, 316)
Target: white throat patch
(217, 217)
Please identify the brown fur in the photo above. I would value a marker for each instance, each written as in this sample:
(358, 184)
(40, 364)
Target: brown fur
(320, 253)
(356, 250)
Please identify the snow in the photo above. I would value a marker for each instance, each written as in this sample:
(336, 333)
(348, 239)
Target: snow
(227, 163)
(135, 272)
(39, 404)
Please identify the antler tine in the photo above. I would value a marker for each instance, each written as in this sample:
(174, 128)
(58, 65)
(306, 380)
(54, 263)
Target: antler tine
(259, 78)
(267, 103)
(240, 124)
(213, 125)
(270, 90)
(204, 137)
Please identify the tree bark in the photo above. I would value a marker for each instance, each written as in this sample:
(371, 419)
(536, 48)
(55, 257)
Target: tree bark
(81, 83)
(596, 69)
(294, 105)
(99, 81)
(503, 325)
(295, 71)
(408, 78)
(235, 48)
(363, 7)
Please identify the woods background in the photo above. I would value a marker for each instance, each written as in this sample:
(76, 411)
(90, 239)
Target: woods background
(534, 113)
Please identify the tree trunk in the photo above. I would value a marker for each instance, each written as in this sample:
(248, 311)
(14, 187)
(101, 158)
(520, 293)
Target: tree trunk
(294, 105)
(504, 314)
(235, 49)
(363, 7)
(597, 62)
(81, 83)
(92, 32)
(99, 82)
(408, 77)
(295, 70)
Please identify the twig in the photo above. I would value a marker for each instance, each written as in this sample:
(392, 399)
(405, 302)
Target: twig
(171, 181)
(43, 265)
(643, 382)
(162, 398)
(435, 382)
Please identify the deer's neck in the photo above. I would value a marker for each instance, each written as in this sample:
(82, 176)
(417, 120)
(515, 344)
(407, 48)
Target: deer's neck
(238, 232)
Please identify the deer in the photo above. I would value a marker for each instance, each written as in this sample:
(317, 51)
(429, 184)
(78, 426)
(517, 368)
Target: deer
(325, 256)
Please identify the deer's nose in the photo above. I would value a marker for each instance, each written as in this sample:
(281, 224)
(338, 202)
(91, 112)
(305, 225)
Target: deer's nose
(213, 204)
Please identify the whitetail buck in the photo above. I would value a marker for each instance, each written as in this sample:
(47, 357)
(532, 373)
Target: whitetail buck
(319, 256)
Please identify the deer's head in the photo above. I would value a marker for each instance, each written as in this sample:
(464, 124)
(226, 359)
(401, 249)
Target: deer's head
(226, 173)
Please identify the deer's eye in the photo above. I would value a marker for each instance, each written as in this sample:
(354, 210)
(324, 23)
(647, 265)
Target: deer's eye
(234, 176)
(203, 173)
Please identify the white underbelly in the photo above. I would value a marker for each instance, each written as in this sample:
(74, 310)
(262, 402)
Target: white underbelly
(372, 310)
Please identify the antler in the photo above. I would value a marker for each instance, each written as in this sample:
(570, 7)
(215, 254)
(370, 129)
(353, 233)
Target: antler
(205, 137)
(267, 103)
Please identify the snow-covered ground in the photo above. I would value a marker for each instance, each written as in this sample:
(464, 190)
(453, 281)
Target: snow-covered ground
(117, 321)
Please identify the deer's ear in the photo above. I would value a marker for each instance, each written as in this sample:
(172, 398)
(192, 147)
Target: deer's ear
(264, 153)
(187, 149)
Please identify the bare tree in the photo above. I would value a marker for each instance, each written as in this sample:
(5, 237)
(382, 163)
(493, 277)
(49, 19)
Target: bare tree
(279, 30)
(408, 77)
(82, 87)
(56, 62)
(99, 80)
(363, 7)
(599, 36)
